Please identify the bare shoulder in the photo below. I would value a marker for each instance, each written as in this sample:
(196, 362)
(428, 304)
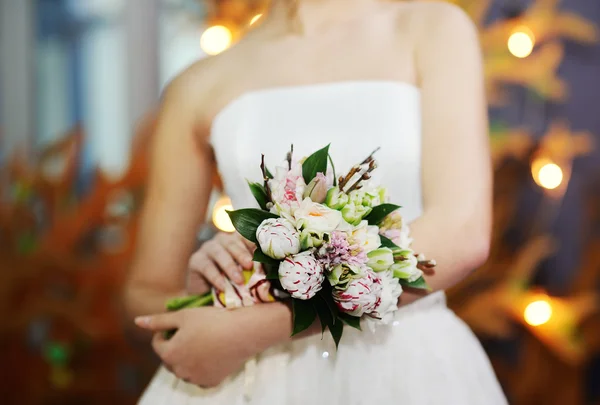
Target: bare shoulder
(441, 34)
(439, 22)
(197, 89)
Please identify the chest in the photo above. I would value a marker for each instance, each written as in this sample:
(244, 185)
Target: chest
(374, 54)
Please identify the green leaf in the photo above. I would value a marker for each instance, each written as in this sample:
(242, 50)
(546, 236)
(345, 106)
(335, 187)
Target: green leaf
(379, 212)
(386, 242)
(350, 320)
(327, 298)
(326, 307)
(315, 163)
(329, 314)
(304, 314)
(246, 221)
(323, 312)
(333, 169)
(271, 270)
(336, 329)
(260, 257)
(419, 284)
(268, 172)
(260, 194)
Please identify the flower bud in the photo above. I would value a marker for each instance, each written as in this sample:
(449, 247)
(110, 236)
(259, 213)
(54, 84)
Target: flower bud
(380, 259)
(278, 238)
(336, 199)
(342, 274)
(354, 213)
(361, 295)
(407, 269)
(317, 188)
(312, 239)
(301, 275)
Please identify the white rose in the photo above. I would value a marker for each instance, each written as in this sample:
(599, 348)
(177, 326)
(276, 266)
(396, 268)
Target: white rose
(278, 238)
(301, 275)
(366, 237)
(390, 292)
(316, 217)
(360, 297)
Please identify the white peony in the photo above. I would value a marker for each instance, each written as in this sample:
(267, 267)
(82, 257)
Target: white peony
(390, 292)
(366, 237)
(361, 296)
(278, 238)
(316, 217)
(301, 275)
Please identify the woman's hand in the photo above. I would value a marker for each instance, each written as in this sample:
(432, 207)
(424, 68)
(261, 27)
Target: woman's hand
(208, 346)
(203, 351)
(225, 255)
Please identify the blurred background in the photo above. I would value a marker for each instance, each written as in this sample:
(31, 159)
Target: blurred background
(79, 80)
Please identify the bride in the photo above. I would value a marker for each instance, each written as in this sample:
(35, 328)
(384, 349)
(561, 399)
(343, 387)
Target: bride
(359, 74)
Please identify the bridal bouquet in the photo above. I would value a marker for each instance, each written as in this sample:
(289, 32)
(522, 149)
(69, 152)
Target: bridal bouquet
(335, 246)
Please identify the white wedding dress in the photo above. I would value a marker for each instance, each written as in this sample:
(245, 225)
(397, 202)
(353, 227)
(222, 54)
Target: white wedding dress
(427, 356)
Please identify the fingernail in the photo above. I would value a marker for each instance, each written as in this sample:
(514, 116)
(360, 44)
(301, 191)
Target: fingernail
(142, 320)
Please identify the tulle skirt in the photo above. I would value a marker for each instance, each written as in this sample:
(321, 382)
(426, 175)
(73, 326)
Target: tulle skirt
(427, 356)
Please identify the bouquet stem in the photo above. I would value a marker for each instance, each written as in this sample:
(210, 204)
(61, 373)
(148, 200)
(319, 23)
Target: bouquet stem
(191, 301)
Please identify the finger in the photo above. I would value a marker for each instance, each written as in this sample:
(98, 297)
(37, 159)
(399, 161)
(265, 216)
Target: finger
(224, 260)
(196, 283)
(241, 253)
(159, 344)
(202, 266)
(213, 276)
(264, 293)
(249, 245)
(159, 322)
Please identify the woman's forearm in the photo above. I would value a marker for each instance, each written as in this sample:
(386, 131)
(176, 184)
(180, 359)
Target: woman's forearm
(458, 246)
(268, 325)
(144, 300)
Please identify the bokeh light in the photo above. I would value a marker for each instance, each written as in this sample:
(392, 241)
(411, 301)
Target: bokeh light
(521, 42)
(216, 39)
(219, 216)
(538, 313)
(547, 174)
(255, 18)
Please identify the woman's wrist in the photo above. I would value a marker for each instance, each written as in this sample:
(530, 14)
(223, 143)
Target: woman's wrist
(265, 326)
(269, 325)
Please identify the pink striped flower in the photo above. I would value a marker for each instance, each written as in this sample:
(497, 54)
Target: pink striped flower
(301, 275)
(287, 189)
(362, 296)
(278, 238)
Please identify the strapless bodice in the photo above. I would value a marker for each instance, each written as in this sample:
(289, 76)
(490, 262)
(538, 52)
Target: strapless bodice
(354, 117)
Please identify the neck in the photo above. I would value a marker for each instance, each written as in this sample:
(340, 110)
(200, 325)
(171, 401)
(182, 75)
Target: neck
(310, 14)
